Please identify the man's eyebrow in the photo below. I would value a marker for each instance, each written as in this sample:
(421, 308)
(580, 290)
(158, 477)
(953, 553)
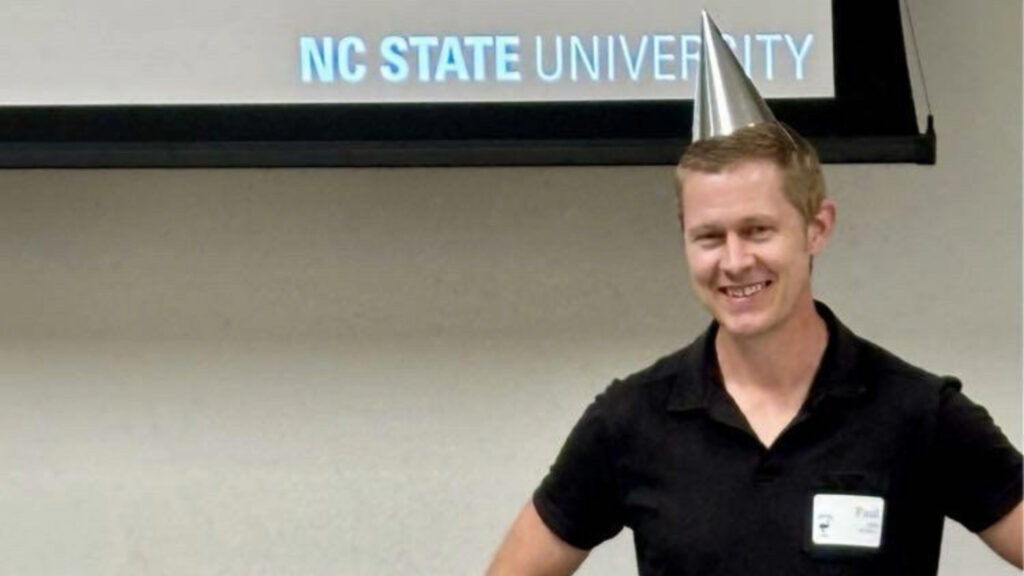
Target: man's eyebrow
(757, 219)
(703, 229)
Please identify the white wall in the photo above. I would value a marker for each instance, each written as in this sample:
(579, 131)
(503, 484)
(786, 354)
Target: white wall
(367, 371)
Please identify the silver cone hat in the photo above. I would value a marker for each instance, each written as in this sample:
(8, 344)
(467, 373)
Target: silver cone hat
(726, 99)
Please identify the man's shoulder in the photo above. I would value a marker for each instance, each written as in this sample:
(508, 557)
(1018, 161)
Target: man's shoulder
(894, 374)
(663, 370)
(650, 387)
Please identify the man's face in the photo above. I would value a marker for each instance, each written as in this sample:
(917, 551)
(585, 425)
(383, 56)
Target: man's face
(749, 250)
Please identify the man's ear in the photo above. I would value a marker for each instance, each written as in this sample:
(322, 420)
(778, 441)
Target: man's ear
(820, 227)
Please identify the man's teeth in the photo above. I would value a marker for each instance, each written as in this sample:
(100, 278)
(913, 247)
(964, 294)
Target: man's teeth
(745, 291)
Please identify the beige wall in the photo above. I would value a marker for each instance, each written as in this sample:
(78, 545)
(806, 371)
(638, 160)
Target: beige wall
(367, 371)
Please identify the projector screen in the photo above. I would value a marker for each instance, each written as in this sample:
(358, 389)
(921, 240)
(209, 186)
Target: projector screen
(118, 83)
(146, 52)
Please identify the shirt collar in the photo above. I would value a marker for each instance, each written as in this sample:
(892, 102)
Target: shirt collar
(699, 379)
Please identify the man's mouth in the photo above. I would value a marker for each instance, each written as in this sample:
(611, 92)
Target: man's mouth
(744, 291)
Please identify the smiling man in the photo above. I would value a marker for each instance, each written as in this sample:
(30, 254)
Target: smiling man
(749, 245)
(778, 442)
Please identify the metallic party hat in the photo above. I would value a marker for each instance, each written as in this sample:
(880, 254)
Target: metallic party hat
(726, 99)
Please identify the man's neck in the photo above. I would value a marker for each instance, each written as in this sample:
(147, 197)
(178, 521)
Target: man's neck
(782, 362)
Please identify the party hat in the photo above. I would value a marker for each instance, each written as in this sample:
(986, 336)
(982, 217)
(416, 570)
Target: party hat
(726, 99)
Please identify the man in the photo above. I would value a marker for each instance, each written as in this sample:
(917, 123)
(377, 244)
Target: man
(778, 442)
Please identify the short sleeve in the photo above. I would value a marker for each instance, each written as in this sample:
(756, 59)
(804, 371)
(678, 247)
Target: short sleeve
(578, 499)
(980, 470)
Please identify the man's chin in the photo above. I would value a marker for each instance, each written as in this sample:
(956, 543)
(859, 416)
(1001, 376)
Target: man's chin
(743, 325)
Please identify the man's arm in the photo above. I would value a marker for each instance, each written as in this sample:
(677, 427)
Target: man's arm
(532, 549)
(1006, 536)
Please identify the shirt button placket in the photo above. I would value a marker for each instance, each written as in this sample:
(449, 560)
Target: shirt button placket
(768, 468)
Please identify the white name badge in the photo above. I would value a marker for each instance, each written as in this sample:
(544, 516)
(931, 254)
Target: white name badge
(845, 520)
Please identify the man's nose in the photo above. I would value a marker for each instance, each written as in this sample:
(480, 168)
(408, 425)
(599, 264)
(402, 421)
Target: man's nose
(737, 256)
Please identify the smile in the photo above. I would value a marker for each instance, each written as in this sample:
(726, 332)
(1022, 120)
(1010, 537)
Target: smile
(744, 291)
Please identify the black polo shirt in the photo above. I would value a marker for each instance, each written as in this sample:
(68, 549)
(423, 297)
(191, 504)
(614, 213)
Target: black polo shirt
(668, 453)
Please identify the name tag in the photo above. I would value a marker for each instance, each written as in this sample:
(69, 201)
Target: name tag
(845, 520)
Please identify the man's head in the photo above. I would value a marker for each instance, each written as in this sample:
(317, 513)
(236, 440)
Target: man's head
(804, 183)
(754, 214)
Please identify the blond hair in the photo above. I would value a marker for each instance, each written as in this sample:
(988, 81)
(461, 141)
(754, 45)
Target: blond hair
(803, 181)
